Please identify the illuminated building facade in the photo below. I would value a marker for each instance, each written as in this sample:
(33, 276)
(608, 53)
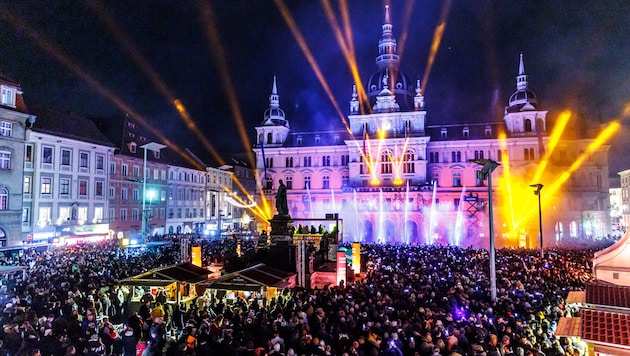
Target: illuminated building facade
(396, 175)
(14, 121)
(65, 180)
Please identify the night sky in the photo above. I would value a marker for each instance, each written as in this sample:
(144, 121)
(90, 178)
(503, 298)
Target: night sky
(577, 55)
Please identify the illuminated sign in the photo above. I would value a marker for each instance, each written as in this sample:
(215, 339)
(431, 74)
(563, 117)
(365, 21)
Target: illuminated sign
(341, 266)
(195, 251)
(356, 257)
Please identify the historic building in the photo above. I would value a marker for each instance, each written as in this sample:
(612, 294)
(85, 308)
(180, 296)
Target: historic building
(136, 205)
(396, 174)
(65, 179)
(14, 121)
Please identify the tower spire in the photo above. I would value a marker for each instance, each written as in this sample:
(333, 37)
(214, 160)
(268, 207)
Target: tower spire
(274, 99)
(521, 79)
(387, 47)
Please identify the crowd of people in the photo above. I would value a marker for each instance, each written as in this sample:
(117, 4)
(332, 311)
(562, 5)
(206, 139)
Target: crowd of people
(411, 300)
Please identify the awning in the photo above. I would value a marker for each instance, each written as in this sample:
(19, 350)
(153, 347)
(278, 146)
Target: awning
(568, 327)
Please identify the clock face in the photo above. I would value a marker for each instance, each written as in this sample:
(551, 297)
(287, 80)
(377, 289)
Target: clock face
(387, 125)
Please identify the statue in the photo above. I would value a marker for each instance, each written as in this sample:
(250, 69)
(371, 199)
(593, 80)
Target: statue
(281, 200)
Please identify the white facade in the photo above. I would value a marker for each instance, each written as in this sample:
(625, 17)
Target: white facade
(185, 200)
(397, 175)
(625, 198)
(220, 214)
(65, 186)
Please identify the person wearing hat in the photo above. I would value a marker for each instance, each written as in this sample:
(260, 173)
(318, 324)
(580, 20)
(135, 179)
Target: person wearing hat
(94, 346)
(129, 342)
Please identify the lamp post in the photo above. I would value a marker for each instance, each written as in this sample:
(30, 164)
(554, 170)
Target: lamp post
(488, 166)
(538, 187)
(155, 147)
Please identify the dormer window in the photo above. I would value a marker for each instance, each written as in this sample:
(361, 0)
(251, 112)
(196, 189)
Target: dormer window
(8, 96)
(488, 131)
(317, 139)
(132, 147)
(131, 124)
(443, 133)
(156, 154)
(337, 138)
(466, 131)
(299, 139)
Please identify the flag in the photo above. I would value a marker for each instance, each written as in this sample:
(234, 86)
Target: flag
(262, 150)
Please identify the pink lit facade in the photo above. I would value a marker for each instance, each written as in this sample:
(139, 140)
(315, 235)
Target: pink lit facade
(401, 176)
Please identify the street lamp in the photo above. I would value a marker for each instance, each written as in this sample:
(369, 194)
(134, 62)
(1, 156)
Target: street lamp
(539, 187)
(155, 147)
(488, 166)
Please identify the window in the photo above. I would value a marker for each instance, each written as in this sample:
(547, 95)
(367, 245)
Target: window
(386, 163)
(307, 182)
(345, 160)
(123, 214)
(136, 171)
(307, 161)
(98, 190)
(434, 157)
(123, 193)
(26, 216)
(27, 185)
(98, 214)
(457, 179)
(111, 214)
(408, 166)
(528, 125)
(44, 216)
(84, 159)
(47, 154)
(4, 199)
(46, 185)
(289, 182)
(156, 154)
(326, 182)
(289, 162)
(6, 128)
(345, 180)
(65, 157)
(466, 131)
(269, 162)
(479, 155)
(28, 153)
(269, 183)
(135, 214)
(64, 186)
(529, 154)
(112, 168)
(479, 178)
(83, 187)
(443, 133)
(112, 192)
(132, 147)
(269, 137)
(325, 161)
(8, 96)
(179, 213)
(100, 162)
(124, 170)
(64, 213)
(136, 194)
(456, 156)
(5, 160)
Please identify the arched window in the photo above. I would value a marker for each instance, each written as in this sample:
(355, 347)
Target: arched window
(270, 138)
(528, 125)
(4, 199)
(526, 154)
(386, 162)
(408, 166)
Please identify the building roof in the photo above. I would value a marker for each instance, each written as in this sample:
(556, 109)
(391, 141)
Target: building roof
(605, 327)
(19, 99)
(252, 279)
(615, 259)
(608, 294)
(70, 126)
(184, 272)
